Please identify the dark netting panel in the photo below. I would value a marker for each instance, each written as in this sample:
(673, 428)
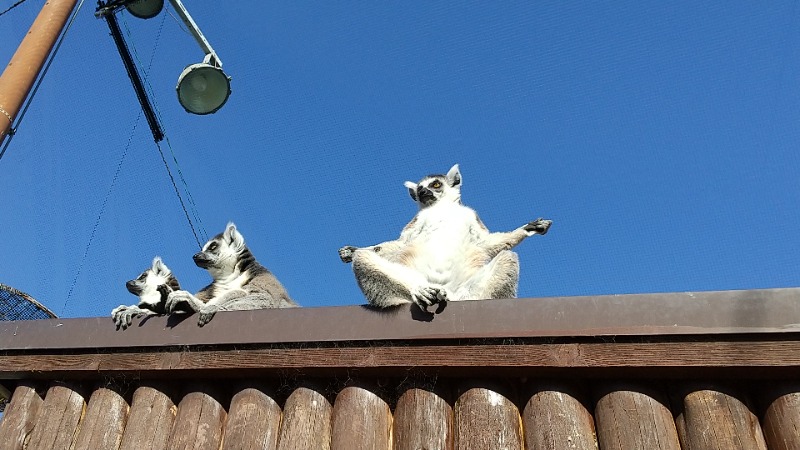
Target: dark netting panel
(16, 305)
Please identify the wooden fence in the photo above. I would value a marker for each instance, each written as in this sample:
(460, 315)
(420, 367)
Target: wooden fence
(715, 370)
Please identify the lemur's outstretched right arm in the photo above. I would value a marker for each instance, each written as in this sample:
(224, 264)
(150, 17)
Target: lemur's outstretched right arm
(123, 315)
(388, 247)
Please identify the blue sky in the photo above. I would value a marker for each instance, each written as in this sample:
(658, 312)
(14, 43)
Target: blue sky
(661, 139)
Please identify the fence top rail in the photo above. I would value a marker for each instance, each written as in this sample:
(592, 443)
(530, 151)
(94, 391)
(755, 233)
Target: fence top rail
(668, 314)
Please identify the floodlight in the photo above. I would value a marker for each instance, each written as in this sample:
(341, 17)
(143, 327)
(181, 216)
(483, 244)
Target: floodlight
(203, 88)
(145, 9)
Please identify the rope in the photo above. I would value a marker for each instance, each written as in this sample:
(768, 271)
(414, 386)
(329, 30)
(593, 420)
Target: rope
(13, 6)
(12, 132)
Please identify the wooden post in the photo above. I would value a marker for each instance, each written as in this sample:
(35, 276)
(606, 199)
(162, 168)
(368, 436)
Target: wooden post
(306, 421)
(781, 423)
(198, 424)
(361, 420)
(422, 419)
(713, 419)
(20, 417)
(254, 421)
(58, 421)
(555, 418)
(629, 416)
(487, 420)
(18, 78)
(104, 422)
(149, 421)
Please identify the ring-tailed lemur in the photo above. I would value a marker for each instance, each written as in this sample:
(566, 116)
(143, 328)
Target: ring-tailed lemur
(240, 282)
(152, 287)
(444, 253)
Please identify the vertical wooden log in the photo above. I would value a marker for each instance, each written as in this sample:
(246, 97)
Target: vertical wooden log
(254, 420)
(198, 424)
(149, 421)
(59, 419)
(712, 419)
(20, 417)
(306, 421)
(635, 417)
(555, 418)
(361, 420)
(103, 422)
(782, 421)
(485, 419)
(422, 419)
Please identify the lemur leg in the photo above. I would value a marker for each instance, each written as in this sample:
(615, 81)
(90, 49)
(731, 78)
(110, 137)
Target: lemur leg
(497, 279)
(386, 283)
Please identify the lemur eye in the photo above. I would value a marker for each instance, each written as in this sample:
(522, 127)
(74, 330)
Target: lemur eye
(436, 184)
(213, 246)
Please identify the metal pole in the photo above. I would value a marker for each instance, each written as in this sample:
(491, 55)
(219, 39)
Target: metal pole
(20, 74)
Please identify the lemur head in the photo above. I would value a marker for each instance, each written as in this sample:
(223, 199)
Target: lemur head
(146, 285)
(221, 253)
(437, 188)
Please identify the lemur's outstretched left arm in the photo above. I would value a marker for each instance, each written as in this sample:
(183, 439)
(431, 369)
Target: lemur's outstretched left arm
(497, 242)
(123, 315)
(388, 247)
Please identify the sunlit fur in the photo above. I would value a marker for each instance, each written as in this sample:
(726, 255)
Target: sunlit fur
(239, 281)
(152, 287)
(444, 253)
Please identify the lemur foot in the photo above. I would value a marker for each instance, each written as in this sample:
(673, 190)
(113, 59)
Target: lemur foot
(428, 295)
(538, 226)
(205, 316)
(346, 253)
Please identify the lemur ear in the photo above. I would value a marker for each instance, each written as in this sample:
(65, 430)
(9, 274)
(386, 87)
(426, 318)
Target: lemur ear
(453, 176)
(412, 189)
(233, 236)
(158, 266)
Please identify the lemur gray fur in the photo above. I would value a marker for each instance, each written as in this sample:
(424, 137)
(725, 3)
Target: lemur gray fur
(152, 287)
(444, 253)
(239, 281)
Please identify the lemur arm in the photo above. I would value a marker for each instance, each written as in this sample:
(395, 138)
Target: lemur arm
(346, 252)
(177, 298)
(497, 242)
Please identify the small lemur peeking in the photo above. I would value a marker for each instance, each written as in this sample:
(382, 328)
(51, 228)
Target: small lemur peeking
(445, 253)
(239, 281)
(152, 287)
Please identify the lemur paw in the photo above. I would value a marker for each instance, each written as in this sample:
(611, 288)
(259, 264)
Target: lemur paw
(428, 295)
(175, 299)
(164, 290)
(538, 226)
(123, 316)
(205, 316)
(346, 253)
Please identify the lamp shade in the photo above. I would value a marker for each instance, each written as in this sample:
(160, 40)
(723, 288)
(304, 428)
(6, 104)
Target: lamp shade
(145, 9)
(203, 88)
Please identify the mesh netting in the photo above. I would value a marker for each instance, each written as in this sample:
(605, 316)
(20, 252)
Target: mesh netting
(16, 305)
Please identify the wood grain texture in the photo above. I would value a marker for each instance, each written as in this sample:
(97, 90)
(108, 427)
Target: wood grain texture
(198, 423)
(635, 417)
(19, 417)
(781, 424)
(487, 420)
(711, 419)
(555, 419)
(59, 419)
(423, 420)
(674, 355)
(254, 421)
(150, 420)
(104, 421)
(306, 421)
(361, 421)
